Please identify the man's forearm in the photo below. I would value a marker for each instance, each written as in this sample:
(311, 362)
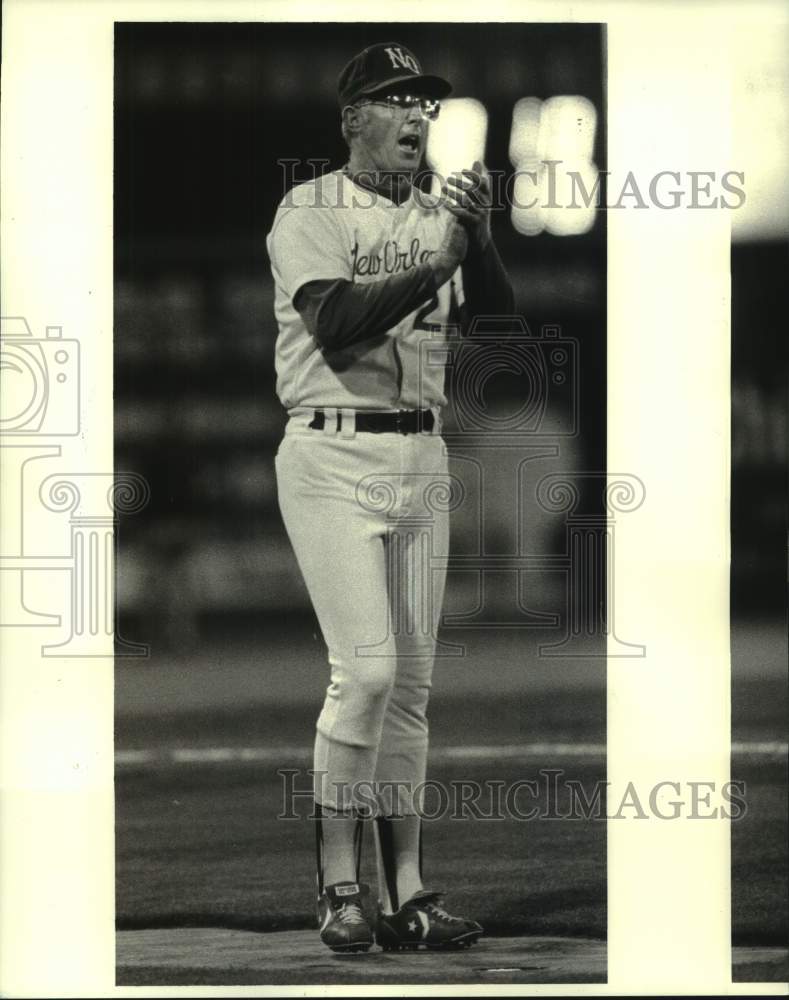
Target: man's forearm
(340, 313)
(486, 287)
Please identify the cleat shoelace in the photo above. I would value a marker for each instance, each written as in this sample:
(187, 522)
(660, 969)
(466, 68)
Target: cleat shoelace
(439, 911)
(350, 913)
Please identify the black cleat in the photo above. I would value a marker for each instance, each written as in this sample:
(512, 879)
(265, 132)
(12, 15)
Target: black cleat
(423, 923)
(341, 914)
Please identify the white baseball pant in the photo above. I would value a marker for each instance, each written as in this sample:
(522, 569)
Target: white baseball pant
(367, 515)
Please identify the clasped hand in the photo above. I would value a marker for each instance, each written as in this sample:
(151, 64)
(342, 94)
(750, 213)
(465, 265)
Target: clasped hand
(468, 197)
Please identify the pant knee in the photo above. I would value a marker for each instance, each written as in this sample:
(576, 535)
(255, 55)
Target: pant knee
(356, 703)
(374, 685)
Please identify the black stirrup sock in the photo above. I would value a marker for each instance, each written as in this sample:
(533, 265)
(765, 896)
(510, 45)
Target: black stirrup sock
(319, 845)
(388, 860)
(358, 834)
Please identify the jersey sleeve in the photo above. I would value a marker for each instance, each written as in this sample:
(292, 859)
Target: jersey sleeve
(306, 245)
(487, 290)
(339, 313)
(457, 287)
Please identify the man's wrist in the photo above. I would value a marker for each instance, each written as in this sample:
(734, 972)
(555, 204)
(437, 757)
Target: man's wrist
(442, 267)
(479, 242)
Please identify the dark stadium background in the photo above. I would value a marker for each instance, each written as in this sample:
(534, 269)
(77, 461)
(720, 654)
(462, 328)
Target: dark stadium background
(760, 650)
(203, 112)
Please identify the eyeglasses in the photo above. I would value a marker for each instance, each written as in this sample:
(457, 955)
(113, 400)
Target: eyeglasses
(428, 106)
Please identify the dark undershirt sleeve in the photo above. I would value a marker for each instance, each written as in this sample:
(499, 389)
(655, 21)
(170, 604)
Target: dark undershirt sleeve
(486, 287)
(340, 313)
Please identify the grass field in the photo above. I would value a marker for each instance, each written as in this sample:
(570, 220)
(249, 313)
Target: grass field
(759, 847)
(198, 794)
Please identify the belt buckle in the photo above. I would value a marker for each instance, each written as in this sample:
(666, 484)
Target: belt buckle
(400, 422)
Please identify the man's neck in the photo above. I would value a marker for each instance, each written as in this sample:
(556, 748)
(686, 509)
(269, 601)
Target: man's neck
(392, 184)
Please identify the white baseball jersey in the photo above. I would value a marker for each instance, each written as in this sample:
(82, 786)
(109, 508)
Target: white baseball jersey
(332, 228)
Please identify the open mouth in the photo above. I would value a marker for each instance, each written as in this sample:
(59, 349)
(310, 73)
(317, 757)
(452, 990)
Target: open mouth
(409, 143)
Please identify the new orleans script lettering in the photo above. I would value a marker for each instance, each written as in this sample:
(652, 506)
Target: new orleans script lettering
(391, 260)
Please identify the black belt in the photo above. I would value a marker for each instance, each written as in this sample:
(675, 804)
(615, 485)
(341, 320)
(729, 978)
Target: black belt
(402, 422)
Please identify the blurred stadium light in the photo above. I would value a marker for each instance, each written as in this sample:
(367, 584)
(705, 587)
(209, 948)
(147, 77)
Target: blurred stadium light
(554, 140)
(760, 138)
(524, 155)
(457, 138)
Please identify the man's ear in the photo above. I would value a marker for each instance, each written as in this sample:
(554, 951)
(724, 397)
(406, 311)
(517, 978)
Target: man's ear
(352, 119)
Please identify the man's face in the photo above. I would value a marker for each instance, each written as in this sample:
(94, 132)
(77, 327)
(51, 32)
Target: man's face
(393, 138)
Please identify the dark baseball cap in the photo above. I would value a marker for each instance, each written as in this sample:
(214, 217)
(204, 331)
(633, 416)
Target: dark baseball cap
(383, 65)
